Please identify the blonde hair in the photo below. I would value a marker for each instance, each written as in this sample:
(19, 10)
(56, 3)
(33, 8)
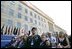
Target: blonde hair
(61, 34)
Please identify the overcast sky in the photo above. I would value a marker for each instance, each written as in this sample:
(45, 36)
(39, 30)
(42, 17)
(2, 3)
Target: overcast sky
(59, 11)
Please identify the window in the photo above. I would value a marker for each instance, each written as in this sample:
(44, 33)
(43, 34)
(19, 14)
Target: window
(9, 22)
(26, 18)
(50, 26)
(18, 24)
(19, 15)
(42, 25)
(30, 13)
(11, 12)
(31, 20)
(39, 23)
(3, 20)
(12, 2)
(2, 8)
(39, 17)
(35, 22)
(35, 15)
(2, 2)
(26, 27)
(19, 7)
(26, 11)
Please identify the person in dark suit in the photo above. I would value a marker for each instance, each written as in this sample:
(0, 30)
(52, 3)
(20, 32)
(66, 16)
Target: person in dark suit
(34, 40)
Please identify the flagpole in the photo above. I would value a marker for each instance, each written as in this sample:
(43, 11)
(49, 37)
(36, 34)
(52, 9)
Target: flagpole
(5, 30)
(2, 29)
(9, 30)
(12, 30)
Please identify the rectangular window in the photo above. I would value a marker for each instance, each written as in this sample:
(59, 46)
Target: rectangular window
(2, 8)
(30, 13)
(18, 24)
(12, 2)
(39, 23)
(11, 12)
(39, 17)
(9, 22)
(35, 22)
(50, 26)
(19, 7)
(2, 3)
(26, 18)
(26, 11)
(35, 15)
(31, 20)
(19, 15)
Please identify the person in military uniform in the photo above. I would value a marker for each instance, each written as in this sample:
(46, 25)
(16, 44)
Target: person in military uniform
(34, 40)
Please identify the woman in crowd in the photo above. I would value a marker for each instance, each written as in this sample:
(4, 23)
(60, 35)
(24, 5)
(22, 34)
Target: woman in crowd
(44, 43)
(23, 43)
(63, 41)
(18, 42)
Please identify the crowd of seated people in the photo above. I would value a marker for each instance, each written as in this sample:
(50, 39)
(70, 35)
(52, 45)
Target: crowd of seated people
(33, 40)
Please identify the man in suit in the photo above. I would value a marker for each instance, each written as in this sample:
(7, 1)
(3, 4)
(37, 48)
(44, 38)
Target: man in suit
(34, 40)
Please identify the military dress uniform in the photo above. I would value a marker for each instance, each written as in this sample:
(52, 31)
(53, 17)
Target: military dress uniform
(33, 42)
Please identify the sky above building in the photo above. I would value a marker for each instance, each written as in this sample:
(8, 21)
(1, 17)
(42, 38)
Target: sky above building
(59, 11)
